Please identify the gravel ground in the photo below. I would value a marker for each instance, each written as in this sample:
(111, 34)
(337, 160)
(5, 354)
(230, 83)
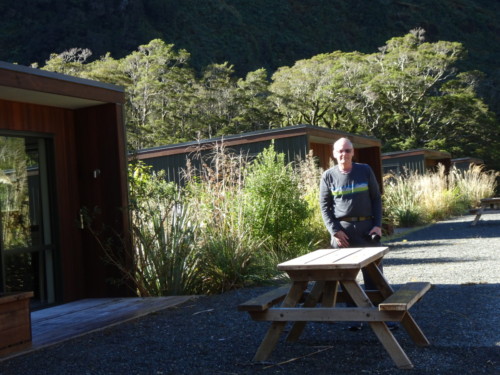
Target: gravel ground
(209, 336)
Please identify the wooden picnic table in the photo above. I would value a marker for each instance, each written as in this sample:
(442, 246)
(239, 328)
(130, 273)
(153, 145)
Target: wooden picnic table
(487, 205)
(325, 270)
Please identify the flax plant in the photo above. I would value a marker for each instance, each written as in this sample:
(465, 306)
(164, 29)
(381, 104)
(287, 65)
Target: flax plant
(163, 237)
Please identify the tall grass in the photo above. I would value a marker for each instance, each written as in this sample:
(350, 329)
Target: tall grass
(412, 198)
(231, 254)
(474, 183)
(401, 200)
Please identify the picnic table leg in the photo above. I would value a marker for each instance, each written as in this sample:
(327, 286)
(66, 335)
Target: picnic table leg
(380, 329)
(478, 216)
(273, 334)
(330, 294)
(414, 330)
(407, 322)
(311, 301)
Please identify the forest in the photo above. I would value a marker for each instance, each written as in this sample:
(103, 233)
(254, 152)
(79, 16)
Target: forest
(410, 94)
(198, 69)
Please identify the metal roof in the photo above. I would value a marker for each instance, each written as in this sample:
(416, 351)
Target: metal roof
(316, 133)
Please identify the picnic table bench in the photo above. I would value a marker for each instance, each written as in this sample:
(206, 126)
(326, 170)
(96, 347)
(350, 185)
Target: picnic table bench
(488, 205)
(325, 270)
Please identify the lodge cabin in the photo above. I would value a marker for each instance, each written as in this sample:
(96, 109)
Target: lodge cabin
(416, 160)
(62, 153)
(294, 141)
(463, 164)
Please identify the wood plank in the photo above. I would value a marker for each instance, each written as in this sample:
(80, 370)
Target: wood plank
(364, 257)
(405, 297)
(272, 336)
(329, 260)
(266, 300)
(304, 259)
(104, 313)
(346, 258)
(488, 201)
(311, 301)
(12, 297)
(327, 314)
(323, 274)
(380, 329)
(15, 335)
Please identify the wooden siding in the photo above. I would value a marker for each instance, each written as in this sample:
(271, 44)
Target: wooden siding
(372, 157)
(83, 140)
(56, 124)
(324, 153)
(174, 164)
(103, 184)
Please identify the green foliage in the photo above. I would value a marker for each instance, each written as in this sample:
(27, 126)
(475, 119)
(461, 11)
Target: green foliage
(408, 94)
(163, 236)
(309, 175)
(273, 203)
(233, 221)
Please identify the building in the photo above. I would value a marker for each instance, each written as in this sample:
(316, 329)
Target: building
(294, 141)
(463, 164)
(62, 151)
(417, 160)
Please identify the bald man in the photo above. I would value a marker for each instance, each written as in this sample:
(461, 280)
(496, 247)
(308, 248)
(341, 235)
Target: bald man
(351, 206)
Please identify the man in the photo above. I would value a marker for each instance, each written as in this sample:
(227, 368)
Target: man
(351, 205)
(350, 200)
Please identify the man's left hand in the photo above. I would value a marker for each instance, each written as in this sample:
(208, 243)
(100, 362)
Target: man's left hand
(376, 230)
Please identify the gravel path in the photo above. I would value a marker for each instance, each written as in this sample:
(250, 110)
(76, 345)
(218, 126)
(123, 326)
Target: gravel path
(209, 336)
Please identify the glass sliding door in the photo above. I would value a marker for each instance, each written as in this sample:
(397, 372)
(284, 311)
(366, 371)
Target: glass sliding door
(26, 209)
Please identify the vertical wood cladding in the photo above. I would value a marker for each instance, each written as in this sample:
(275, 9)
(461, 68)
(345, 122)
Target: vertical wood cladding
(84, 140)
(102, 175)
(57, 124)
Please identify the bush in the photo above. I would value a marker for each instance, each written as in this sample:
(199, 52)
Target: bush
(164, 236)
(273, 205)
(231, 253)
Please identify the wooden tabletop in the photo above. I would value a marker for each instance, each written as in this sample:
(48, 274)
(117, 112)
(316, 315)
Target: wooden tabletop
(329, 259)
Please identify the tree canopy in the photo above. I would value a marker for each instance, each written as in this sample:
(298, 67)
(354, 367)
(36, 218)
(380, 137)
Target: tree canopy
(410, 94)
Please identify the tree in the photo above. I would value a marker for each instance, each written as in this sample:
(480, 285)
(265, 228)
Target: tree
(410, 94)
(159, 81)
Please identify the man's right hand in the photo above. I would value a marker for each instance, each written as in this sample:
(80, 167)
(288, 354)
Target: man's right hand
(341, 238)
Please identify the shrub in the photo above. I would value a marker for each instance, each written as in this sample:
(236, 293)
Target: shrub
(273, 204)
(231, 253)
(164, 236)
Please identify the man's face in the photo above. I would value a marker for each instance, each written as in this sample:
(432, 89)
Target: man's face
(343, 152)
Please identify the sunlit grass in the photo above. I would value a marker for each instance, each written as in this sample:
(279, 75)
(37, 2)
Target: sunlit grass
(412, 198)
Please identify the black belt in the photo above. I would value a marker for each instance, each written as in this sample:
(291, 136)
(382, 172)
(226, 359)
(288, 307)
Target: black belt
(356, 218)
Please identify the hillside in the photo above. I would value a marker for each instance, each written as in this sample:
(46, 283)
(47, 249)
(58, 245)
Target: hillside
(248, 33)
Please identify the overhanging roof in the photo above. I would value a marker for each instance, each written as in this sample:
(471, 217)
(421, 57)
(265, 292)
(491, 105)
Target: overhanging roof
(35, 86)
(316, 134)
(428, 154)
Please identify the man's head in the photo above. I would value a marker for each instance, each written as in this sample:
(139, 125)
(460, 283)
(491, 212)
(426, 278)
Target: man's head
(343, 151)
